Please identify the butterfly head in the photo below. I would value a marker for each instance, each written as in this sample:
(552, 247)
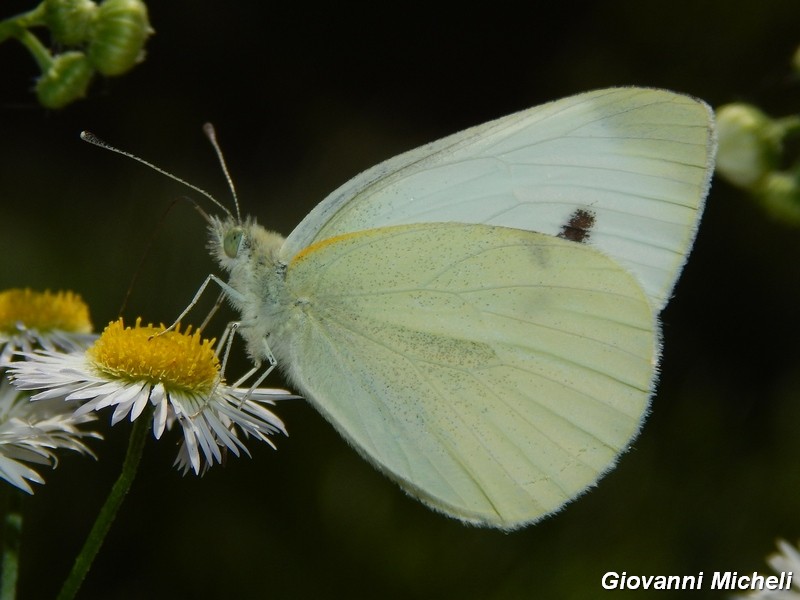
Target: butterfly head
(242, 244)
(228, 241)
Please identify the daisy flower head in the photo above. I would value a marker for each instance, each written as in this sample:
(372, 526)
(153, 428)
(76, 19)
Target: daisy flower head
(31, 432)
(786, 560)
(53, 321)
(176, 373)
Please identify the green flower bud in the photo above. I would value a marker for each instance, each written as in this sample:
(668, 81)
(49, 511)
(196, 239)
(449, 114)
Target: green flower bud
(779, 193)
(118, 36)
(69, 20)
(749, 144)
(66, 80)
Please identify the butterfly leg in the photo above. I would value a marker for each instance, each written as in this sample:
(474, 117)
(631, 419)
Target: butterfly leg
(226, 341)
(267, 354)
(213, 311)
(227, 290)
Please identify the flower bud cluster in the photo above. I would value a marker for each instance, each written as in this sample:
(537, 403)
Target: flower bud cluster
(106, 38)
(753, 156)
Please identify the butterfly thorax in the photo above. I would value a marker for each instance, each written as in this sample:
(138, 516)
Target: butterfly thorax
(250, 254)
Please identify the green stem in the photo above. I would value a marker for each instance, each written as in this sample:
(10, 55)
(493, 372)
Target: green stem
(789, 125)
(12, 534)
(40, 53)
(12, 26)
(109, 510)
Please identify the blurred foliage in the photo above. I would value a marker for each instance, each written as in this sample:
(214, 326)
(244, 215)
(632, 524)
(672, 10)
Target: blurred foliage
(304, 98)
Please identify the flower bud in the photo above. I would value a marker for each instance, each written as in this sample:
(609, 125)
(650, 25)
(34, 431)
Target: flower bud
(779, 193)
(118, 36)
(65, 81)
(749, 144)
(69, 20)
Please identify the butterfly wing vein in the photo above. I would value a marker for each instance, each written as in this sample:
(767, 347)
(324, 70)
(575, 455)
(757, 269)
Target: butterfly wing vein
(495, 373)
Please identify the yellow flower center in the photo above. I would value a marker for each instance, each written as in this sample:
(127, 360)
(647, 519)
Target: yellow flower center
(180, 361)
(43, 311)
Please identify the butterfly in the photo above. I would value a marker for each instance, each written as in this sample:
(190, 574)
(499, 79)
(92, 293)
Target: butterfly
(478, 317)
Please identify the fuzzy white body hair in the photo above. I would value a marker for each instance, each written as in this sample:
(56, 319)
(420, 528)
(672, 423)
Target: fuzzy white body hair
(257, 272)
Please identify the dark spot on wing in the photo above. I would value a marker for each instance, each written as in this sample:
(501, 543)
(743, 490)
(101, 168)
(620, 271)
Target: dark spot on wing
(579, 227)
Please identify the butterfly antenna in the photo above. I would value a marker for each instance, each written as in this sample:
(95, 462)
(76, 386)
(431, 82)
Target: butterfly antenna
(198, 208)
(87, 136)
(211, 134)
(147, 248)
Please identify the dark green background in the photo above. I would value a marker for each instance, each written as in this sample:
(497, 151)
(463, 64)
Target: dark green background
(303, 99)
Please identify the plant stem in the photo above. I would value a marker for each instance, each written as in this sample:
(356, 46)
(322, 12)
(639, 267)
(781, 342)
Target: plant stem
(790, 125)
(12, 26)
(40, 53)
(12, 534)
(105, 517)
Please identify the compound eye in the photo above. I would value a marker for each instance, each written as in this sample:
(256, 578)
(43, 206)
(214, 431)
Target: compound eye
(232, 242)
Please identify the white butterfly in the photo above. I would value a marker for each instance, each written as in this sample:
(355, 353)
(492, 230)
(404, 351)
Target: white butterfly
(478, 317)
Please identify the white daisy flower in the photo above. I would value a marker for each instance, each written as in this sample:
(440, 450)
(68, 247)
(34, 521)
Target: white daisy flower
(177, 373)
(31, 432)
(53, 321)
(787, 560)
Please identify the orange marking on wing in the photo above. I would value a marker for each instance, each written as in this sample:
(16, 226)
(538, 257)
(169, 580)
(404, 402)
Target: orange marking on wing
(327, 242)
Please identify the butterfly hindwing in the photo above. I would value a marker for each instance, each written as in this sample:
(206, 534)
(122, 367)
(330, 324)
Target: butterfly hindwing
(494, 373)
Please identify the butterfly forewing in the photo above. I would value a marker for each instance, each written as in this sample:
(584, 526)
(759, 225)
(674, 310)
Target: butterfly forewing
(638, 160)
